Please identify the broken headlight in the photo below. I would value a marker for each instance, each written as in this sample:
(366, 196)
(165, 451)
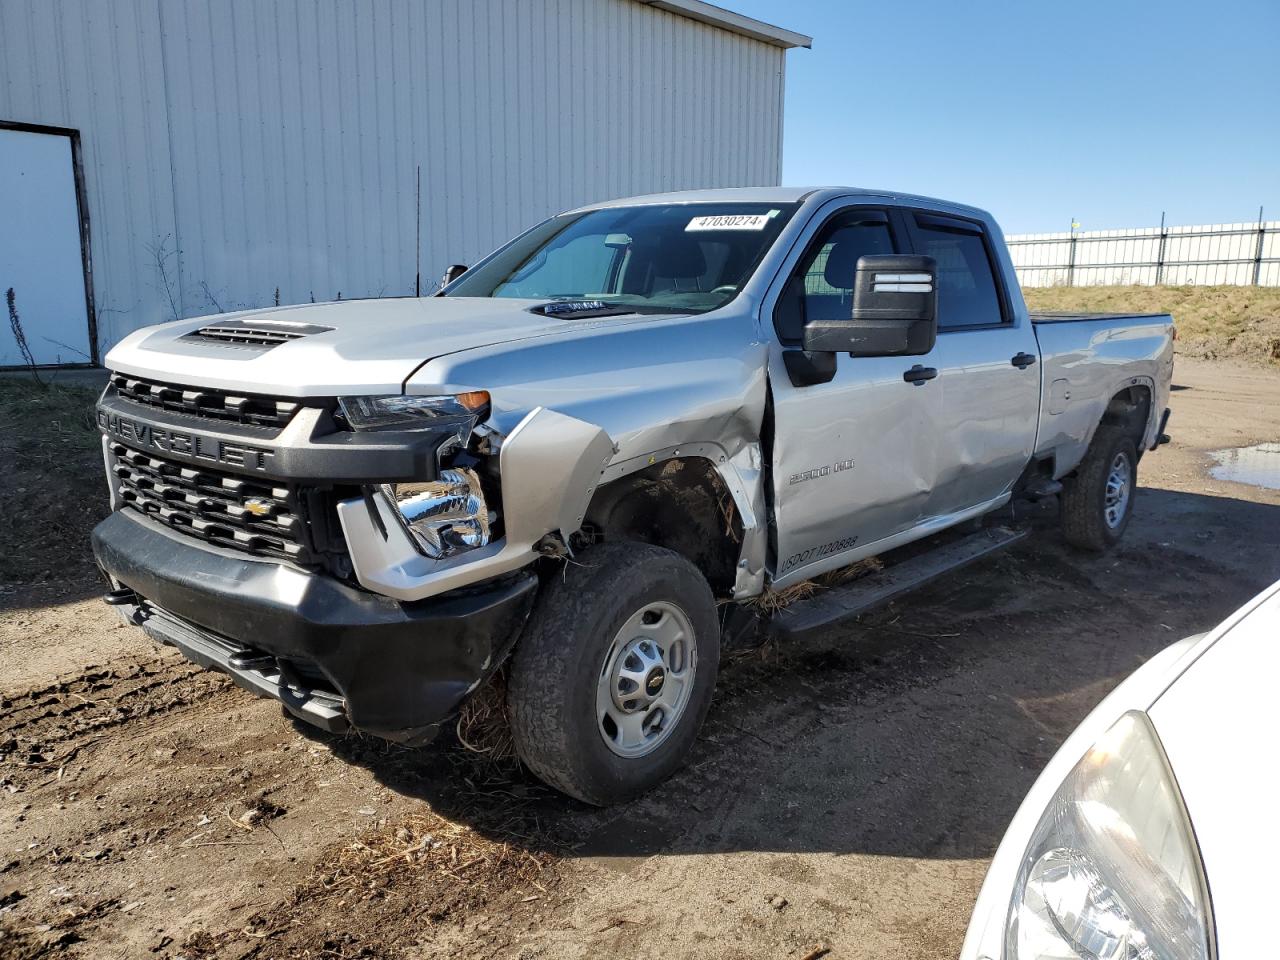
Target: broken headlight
(443, 516)
(415, 413)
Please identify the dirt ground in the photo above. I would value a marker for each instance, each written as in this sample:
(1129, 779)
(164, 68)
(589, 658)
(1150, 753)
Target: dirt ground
(846, 796)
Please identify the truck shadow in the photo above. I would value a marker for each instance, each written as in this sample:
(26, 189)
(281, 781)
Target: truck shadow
(912, 733)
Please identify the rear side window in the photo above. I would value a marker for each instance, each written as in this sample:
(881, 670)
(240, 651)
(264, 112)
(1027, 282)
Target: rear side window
(967, 291)
(821, 287)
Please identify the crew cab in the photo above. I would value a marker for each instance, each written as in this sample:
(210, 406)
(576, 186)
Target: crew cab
(568, 459)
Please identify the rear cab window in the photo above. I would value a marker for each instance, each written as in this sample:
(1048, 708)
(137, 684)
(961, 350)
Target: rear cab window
(969, 292)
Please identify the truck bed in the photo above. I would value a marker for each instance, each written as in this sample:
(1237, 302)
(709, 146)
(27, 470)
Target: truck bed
(1085, 359)
(1055, 316)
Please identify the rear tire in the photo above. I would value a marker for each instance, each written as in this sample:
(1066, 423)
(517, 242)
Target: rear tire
(1097, 501)
(613, 677)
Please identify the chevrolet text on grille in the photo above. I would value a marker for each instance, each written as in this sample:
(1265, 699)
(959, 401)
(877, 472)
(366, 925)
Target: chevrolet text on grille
(186, 444)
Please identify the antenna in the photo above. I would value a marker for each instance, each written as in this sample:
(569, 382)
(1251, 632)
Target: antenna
(417, 253)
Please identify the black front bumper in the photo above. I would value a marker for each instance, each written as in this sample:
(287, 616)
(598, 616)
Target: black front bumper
(335, 656)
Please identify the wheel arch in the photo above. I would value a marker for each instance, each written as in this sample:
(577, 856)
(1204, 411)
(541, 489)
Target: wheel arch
(1130, 409)
(1129, 405)
(693, 500)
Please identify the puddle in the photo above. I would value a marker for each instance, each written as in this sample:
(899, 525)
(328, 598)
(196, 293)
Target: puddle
(1258, 465)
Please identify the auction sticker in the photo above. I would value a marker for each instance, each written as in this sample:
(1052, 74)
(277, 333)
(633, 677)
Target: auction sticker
(729, 221)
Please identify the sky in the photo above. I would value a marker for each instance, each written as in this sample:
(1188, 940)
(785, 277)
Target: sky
(1041, 110)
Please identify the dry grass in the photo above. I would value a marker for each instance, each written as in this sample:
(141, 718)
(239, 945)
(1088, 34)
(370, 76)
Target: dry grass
(853, 571)
(391, 886)
(771, 601)
(1240, 323)
(483, 726)
(425, 842)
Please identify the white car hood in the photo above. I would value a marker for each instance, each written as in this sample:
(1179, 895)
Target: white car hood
(1217, 725)
(370, 346)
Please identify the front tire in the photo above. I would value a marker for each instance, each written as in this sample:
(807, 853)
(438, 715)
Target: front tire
(613, 678)
(1098, 501)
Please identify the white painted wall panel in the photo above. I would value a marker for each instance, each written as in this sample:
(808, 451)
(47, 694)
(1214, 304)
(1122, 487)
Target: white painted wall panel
(96, 66)
(248, 146)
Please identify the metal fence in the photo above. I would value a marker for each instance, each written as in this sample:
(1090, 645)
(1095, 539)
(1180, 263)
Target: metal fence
(1242, 254)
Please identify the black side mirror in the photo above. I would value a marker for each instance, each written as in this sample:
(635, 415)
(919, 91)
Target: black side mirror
(895, 311)
(452, 273)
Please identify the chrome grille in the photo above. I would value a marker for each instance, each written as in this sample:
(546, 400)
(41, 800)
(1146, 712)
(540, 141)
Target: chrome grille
(206, 402)
(261, 517)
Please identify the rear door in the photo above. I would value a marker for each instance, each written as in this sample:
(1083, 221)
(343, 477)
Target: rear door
(853, 457)
(988, 383)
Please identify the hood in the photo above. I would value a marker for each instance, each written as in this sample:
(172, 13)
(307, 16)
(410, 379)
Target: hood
(325, 349)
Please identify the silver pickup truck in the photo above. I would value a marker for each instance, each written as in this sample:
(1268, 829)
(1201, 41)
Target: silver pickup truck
(587, 454)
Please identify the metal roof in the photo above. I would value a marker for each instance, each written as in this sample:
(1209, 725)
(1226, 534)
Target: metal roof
(733, 22)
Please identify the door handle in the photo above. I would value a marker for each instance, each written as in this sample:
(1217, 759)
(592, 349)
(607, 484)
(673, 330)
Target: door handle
(918, 375)
(1023, 360)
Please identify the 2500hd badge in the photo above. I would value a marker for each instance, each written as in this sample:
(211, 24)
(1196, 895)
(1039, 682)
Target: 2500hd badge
(817, 472)
(193, 445)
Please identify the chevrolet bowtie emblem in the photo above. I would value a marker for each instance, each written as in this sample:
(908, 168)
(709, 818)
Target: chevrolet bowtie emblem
(258, 507)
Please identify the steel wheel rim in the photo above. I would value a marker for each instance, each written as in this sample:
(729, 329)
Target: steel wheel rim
(1115, 502)
(646, 681)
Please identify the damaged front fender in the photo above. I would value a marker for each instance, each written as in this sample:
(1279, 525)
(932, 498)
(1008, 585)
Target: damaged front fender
(553, 464)
(741, 472)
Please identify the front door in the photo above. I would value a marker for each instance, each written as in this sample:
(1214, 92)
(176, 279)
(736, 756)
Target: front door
(853, 459)
(40, 254)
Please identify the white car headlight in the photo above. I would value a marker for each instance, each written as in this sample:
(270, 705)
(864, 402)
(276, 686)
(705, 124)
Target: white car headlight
(443, 516)
(1112, 871)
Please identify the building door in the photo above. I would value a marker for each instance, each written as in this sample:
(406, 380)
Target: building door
(41, 257)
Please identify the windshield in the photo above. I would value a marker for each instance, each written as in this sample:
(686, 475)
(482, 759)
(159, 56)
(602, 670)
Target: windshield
(686, 258)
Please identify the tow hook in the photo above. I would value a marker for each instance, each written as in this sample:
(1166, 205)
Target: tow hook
(251, 660)
(119, 598)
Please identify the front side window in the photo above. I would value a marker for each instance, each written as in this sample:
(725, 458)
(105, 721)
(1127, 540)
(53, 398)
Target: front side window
(686, 258)
(821, 287)
(967, 292)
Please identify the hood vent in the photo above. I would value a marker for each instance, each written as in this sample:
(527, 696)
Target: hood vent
(245, 333)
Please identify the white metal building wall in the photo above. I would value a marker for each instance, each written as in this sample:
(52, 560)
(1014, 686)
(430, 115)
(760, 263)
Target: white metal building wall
(232, 148)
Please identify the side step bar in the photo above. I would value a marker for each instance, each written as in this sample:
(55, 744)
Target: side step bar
(867, 593)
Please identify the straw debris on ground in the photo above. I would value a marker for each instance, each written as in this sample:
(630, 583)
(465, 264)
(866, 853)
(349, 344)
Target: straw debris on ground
(771, 601)
(403, 878)
(423, 842)
(483, 726)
